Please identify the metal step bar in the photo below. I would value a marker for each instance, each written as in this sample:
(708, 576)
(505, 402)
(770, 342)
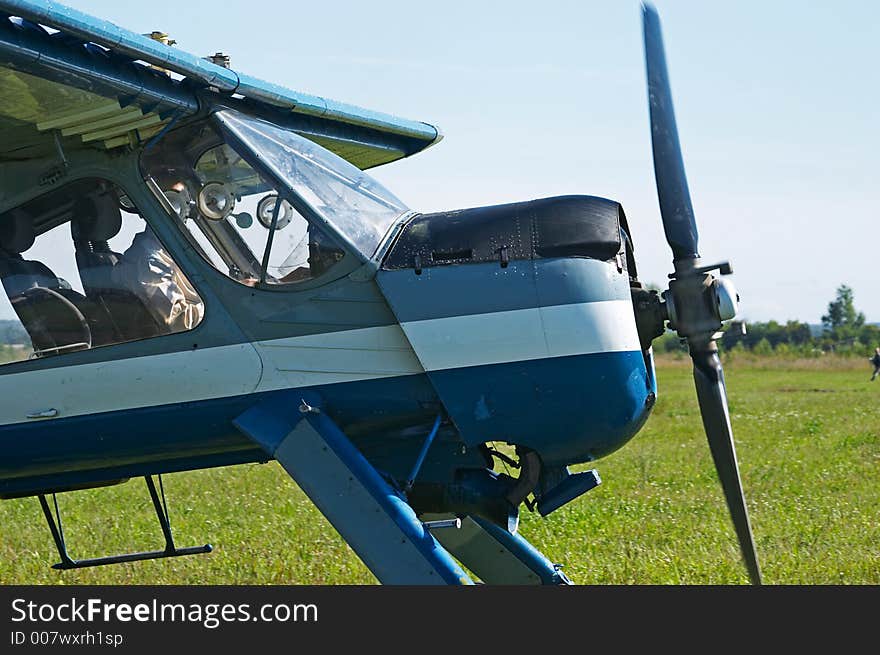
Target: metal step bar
(161, 507)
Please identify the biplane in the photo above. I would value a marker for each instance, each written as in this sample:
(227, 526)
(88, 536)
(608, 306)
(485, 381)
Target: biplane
(207, 277)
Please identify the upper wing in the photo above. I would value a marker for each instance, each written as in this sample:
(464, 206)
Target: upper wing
(63, 70)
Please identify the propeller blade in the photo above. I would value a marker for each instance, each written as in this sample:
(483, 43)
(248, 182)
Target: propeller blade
(712, 396)
(672, 187)
(693, 303)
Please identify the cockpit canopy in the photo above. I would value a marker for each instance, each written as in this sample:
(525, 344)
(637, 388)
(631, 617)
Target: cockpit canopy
(265, 205)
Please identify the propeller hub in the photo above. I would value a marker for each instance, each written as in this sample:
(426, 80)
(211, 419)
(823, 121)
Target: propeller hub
(728, 299)
(693, 306)
(697, 302)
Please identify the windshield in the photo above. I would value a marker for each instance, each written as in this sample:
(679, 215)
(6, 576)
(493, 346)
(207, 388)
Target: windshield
(354, 205)
(234, 217)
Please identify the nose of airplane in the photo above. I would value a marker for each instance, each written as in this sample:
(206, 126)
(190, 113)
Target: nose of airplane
(522, 317)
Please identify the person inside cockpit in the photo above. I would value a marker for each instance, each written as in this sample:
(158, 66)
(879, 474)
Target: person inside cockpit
(147, 269)
(142, 288)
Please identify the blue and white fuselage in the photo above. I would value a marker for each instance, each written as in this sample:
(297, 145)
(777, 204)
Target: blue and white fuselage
(203, 275)
(540, 353)
(301, 311)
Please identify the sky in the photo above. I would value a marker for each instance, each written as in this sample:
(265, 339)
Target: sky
(777, 106)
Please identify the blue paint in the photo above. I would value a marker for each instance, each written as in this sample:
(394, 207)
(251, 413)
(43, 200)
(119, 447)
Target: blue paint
(195, 68)
(84, 478)
(394, 504)
(120, 40)
(81, 449)
(481, 410)
(373, 518)
(269, 421)
(423, 453)
(547, 572)
(569, 409)
(34, 52)
(567, 280)
(486, 287)
(572, 486)
(274, 94)
(158, 435)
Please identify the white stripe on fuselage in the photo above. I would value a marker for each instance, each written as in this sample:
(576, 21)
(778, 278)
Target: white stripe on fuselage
(131, 383)
(333, 357)
(524, 334)
(328, 358)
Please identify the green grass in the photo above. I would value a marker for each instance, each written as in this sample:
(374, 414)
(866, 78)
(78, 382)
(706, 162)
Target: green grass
(808, 442)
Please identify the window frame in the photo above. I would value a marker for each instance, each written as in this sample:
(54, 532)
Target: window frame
(135, 189)
(351, 261)
(259, 163)
(216, 243)
(285, 193)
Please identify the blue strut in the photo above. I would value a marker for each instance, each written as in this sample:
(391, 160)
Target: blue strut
(422, 454)
(498, 557)
(370, 515)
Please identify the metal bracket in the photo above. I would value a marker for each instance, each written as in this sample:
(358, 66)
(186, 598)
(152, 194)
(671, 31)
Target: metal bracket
(161, 507)
(443, 523)
(724, 268)
(305, 408)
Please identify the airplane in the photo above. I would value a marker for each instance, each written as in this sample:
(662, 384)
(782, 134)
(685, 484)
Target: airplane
(209, 278)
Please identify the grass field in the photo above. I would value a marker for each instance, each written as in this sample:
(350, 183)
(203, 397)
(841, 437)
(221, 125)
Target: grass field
(808, 440)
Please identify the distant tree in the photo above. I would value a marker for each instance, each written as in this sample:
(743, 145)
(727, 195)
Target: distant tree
(792, 333)
(870, 334)
(763, 347)
(798, 333)
(842, 312)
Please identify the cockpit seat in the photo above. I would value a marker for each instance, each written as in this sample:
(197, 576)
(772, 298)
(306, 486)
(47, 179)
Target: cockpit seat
(45, 304)
(96, 220)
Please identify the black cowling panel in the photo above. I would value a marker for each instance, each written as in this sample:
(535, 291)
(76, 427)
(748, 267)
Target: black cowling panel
(564, 226)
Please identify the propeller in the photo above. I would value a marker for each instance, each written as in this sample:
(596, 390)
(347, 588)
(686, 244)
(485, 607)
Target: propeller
(697, 302)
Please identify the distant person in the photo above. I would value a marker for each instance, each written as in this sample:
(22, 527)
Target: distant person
(875, 360)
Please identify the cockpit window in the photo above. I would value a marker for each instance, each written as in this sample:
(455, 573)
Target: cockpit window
(80, 268)
(234, 217)
(353, 205)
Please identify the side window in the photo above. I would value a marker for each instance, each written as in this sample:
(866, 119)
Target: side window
(227, 208)
(81, 269)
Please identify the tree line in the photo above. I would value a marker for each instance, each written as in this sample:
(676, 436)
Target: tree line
(844, 331)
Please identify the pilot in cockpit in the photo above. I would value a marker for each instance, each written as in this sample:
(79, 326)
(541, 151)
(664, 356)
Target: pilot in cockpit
(148, 270)
(145, 270)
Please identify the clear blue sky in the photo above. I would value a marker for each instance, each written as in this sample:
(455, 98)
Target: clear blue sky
(777, 107)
